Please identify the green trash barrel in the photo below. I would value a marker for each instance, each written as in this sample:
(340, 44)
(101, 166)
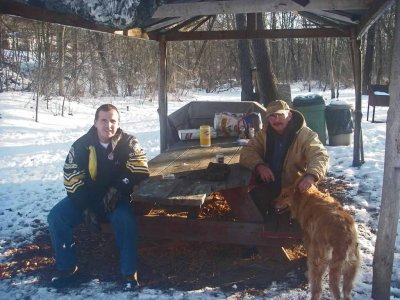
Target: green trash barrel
(312, 106)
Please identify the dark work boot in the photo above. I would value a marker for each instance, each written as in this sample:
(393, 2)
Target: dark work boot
(249, 252)
(65, 278)
(130, 282)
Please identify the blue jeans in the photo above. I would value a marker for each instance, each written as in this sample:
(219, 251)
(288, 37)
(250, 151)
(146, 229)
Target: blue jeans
(65, 215)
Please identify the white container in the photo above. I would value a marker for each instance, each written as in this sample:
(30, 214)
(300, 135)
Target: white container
(194, 134)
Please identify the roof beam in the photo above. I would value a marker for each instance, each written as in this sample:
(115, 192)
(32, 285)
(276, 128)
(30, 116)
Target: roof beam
(200, 23)
(209, 7)
(259, 34)
(321, 21)
(164, 23)
(188, 23)
(380, 6)
(336, 16)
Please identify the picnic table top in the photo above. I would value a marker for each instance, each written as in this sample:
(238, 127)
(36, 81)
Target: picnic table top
(187, 161)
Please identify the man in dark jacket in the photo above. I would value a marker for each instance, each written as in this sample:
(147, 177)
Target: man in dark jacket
(100, 171)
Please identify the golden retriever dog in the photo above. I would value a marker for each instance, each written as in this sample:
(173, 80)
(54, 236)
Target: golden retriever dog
(330, 238)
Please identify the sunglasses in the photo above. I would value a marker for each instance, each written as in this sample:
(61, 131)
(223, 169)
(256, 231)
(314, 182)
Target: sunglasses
(283, 115)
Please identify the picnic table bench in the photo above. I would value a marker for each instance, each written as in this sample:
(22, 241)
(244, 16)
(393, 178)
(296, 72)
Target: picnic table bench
(188, 189)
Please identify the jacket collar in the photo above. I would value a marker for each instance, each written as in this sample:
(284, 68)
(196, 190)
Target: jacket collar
(94, 139)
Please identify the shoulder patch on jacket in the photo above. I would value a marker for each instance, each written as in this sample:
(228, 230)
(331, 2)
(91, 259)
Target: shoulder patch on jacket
(70, 161)
(71, 155)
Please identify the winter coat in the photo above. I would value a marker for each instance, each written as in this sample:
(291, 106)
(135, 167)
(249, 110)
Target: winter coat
(90, 169)
(305, 155)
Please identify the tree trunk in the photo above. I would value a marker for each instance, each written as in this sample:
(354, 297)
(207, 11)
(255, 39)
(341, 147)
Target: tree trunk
(75, 64)
(332, 64)
(245, 63)
(39, 53)
(368, 60)
(295, 69)
(47, 68)
(274, 50)
(108, 72)
(379, 58)
(309, 66)
(61, 53)
(265, 77)
(390, 204)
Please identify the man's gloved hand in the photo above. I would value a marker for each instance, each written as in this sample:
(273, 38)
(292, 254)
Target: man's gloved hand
(110, 199)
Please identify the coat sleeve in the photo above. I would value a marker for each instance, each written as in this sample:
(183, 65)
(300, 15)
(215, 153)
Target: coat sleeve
(75, 175)
(316, 156)
(252, 154)
(134, 168)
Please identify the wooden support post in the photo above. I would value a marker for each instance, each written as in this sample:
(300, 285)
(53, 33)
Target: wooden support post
(162, 94)
(390, 203)
(356, 60)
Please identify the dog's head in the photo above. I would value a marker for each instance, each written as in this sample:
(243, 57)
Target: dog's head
(285, 198)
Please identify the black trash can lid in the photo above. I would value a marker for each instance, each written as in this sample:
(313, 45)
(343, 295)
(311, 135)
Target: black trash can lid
(338, 104)
(308, 100)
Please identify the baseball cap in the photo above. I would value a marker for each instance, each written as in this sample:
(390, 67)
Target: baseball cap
(277, 107)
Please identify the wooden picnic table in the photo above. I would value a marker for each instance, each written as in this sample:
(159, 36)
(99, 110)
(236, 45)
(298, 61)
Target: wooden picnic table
(188, 188)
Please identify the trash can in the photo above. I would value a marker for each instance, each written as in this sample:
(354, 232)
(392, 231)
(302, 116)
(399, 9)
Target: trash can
(312, 106)
(339, 121)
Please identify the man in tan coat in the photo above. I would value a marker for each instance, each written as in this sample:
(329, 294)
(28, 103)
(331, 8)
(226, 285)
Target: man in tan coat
(284, 151)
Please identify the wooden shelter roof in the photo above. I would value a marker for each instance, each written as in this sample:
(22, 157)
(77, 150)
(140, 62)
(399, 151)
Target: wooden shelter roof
(181, 19)
(178, 20)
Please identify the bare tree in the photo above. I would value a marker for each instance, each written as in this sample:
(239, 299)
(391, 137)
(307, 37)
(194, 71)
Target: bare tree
(244, 61)
(99, 40)
(125, 66)
(368, 59)
(61, 53)
(379, 58)
(265, 76)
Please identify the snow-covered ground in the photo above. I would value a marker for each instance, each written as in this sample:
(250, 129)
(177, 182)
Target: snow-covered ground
(31, 182)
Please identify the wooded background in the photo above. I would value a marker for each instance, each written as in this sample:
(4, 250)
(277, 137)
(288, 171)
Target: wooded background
(53, 60)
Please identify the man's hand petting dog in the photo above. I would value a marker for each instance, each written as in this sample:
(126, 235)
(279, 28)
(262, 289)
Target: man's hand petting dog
(305, 183)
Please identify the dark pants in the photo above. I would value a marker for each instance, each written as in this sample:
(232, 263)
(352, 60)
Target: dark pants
(65, 215)
(263, 196)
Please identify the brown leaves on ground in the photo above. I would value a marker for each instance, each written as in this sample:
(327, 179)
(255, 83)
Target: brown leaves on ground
(215, 207)
(29, 259)
(167, 264)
